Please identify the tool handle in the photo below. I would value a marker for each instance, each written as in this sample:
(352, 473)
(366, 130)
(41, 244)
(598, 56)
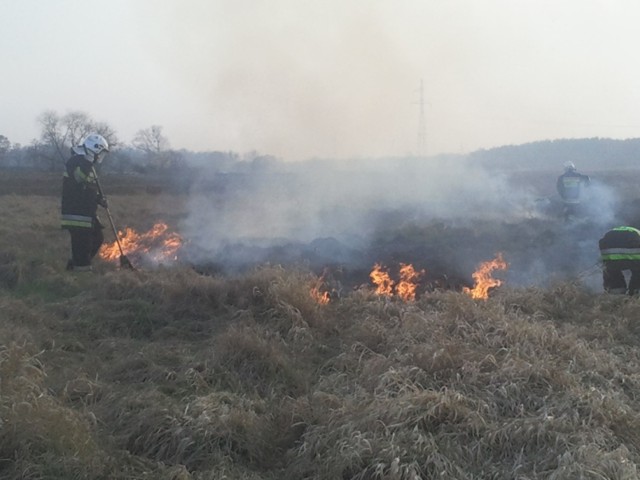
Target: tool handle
(113, 227)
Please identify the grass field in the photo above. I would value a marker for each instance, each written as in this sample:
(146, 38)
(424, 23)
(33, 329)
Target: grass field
(167, 373)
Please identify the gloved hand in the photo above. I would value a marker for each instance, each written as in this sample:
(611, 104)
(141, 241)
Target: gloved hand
(102, 201)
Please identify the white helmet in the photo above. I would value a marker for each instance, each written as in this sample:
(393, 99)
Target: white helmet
(96, 145)
(569, 167)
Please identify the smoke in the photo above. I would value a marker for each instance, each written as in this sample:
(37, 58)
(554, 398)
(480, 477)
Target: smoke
(313, 199)
(568, 250)
(289, 78)
(601, 204)
(239, 218)
(445, 215)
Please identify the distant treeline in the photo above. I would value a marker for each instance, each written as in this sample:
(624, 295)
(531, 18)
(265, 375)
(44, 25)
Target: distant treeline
(587, 154)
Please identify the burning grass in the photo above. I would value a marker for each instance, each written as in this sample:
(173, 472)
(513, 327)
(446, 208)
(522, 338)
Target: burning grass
(171, 374)
(171, 371)
(156, 246)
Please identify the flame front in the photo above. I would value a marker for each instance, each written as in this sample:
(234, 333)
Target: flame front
(157, 244)
(322, 297)
(382, 280)
(406, 288)
(483, 279)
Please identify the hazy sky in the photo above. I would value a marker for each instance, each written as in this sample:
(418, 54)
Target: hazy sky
(336, 78)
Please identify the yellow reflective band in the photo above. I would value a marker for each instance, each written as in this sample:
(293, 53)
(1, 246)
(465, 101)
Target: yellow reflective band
(75, 223)
(79, 175)
(626, 229)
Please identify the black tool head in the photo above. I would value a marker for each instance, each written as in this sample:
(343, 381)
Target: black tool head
(125, 262)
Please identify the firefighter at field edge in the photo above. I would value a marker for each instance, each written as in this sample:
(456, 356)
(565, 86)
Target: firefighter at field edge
(620, 251)
(569, 186)
(80, 200)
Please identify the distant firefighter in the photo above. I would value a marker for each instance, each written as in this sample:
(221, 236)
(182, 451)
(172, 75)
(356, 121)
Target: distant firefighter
(620, 252)
(569, 186)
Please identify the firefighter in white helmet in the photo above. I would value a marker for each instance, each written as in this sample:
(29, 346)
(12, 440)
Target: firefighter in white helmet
(570, 187)
(80, 200)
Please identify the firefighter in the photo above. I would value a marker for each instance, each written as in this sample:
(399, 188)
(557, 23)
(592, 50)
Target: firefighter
(80, 200)
(620, 252)
(569, 186)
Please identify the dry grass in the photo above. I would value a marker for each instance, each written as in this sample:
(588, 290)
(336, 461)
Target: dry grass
(169, 374)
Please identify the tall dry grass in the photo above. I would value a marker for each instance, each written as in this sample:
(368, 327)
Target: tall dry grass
(170, 374)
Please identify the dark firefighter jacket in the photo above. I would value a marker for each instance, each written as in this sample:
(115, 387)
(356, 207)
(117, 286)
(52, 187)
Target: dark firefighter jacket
(79, 194)
(569, 185)
(620, 243)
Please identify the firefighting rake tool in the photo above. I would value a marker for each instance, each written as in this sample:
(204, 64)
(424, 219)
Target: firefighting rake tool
(124, 261)
(592, 270)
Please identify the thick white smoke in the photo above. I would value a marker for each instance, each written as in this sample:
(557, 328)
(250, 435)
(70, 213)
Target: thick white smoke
(307, 200)
(443, 214)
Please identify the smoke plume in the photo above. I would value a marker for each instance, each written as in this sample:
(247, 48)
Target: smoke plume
(444, 215)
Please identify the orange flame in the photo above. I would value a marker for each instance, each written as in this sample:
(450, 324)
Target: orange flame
(321, 297)
(483, 279)
(157, 244)
(317, 294)
(382, 280)
(406, 287)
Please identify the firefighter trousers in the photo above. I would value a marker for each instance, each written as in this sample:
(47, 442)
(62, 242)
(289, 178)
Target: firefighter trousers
(613, 279)
(85, 244)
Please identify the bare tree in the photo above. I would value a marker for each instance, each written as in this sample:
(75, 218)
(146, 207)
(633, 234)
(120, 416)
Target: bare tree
(5, 146)
(60, 133)
(77, 125)
(154, 144)
(52, 138)
(151, 140)
(107, 132)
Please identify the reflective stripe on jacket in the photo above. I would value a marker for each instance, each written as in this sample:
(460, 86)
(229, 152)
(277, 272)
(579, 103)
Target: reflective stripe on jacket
(79, 194)
(627, 229)
(620, 254)
(620, 243)
(569, 186)
(81, 221)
